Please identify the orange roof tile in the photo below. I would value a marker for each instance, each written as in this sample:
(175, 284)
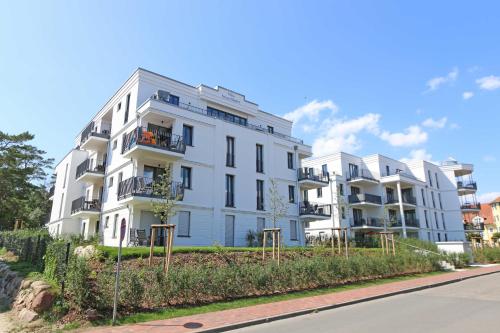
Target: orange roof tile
(487, 213)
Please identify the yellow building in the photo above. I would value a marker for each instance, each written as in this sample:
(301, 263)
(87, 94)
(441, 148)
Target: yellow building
(495, 212)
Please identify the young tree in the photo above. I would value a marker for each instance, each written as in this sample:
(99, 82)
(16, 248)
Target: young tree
(278, 205)
(22, 172)
(168, 192)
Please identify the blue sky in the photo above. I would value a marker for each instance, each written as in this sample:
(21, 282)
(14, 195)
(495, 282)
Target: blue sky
(409, 80)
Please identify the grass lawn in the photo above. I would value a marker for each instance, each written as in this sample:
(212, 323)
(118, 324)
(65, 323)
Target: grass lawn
(186, 311)
(143, 251)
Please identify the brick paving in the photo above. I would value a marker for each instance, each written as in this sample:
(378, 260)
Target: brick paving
(223, 320)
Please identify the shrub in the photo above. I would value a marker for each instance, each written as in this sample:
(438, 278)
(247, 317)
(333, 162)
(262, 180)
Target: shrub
(78, 282)
(487, 255)
(28, 244)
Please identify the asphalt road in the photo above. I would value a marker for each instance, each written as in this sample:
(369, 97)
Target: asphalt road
(469, 306)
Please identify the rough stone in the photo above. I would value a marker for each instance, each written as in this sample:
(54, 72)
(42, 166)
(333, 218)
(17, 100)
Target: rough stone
(91, 314)
(27, 315)
(42, 301)
(88, 251)
(26, 284)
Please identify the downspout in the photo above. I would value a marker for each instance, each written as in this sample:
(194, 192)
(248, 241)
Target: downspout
(297, 203)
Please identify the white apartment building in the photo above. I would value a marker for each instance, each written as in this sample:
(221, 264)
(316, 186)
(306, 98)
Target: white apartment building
(222, 149)
(377, 193)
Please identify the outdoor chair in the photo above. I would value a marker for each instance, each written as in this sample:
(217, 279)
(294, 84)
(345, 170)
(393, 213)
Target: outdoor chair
(133, 240)
(142, 238)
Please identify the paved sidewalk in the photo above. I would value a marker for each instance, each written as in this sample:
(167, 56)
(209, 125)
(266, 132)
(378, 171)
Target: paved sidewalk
(236, 318)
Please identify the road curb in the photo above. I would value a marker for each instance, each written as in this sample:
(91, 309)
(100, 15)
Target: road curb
(338, 305)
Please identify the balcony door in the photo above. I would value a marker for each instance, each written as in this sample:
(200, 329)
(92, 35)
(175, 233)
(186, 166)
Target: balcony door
(353, 170)
(355, 190)
(357, 215)
(162, 134)
(229, 231)
(390, 194)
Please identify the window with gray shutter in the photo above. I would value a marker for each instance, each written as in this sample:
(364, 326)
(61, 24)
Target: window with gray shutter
(293, 230)
(184, 225)
(261, 224)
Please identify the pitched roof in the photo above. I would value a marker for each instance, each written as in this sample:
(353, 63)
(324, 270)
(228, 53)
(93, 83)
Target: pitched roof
(497, 200)
(487, 214)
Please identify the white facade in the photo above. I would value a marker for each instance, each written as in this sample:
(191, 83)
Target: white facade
(376, 193)
(186, 127)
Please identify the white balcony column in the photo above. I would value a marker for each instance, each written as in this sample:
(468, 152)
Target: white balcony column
(401, 210)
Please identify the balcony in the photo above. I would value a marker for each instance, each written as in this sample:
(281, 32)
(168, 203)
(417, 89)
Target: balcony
(408, 200)
(470, 207)
(410, 222)
(141, 143)
(365, 199)
(141, 189)
(399, 176)
(84, 208)
(90, 171)
(362, 176)
(367, 223)
(459, 169)
(309, 211)
(465, 188)
(474, 227)
(92, 139)
(310, 178)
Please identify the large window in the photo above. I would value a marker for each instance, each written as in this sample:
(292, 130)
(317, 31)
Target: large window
(260, 194)
(430, 178)
(437, 180)
(229, 191)
(291, 193)
(115, 226)
(187, 134)
(443, 221)
(293, 230)
(229, 151)
(184, 227)
(127, 108)
(440, 202)
(213, 112)
(259, 150)
(319, 192)
(433, 200)
(186, 177)
(324, 169)
(436, 219)
(426, 219)
(290, 160)
(261, 224)
(423, 196)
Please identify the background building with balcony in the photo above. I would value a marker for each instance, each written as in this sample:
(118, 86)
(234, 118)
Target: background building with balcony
(222, 151)
(376, 193)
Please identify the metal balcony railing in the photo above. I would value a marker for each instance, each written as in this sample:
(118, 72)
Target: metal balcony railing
(474, 206)
(166, 141)
(474, 227)
(471, 185)
(367, 222)
(145, 187)
(360, 174)
(400, 173)
(91, 131)
(365, 197)
(312, 174)
(88, 166)
(81, 204)
(310, 208)
(407, 199)
(409, 222)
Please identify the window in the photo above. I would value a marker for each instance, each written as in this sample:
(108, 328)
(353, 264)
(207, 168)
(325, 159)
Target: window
(387, 170)
(184, 224)
(293, 230)
(270, 129)
(186, 177)
(436, 219)
(324, 169)
(433, 201)
(440, 203)
(84, 225)
(426, 219)
(127, 107)
(259, 149)
(319, 192)
(172, 99)
(65, 175)
(115, 143)
(115, 226)
(119, 106)
(291, 193)
(260, 194)
(439, 236)
(187, 134)
(110, 182)
(343, 212)
(213, 112)
(229, 191)
(230, 151)
(290, 160)
(261, 224)
(306, 195)
(445, 237)
(437, 180)
(442, 221)
(341, 189)
(61, 205)
(120, 178)
(430, 178)
(106, 222)
(423, 196)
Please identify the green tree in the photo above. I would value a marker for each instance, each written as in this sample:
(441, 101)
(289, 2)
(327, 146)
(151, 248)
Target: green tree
(22, 173)
(278, 205)
(164, 188)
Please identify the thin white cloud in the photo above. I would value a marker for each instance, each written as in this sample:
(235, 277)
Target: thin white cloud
(411, 136)
(489, 158)
(489, 82)
(418, 155)
(311, 111)
(467, 95)
(431, 123)
(341, 134)
(436, 82)
(454, 126)
(488, 197)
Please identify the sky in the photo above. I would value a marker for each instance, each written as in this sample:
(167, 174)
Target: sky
(409, 80)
